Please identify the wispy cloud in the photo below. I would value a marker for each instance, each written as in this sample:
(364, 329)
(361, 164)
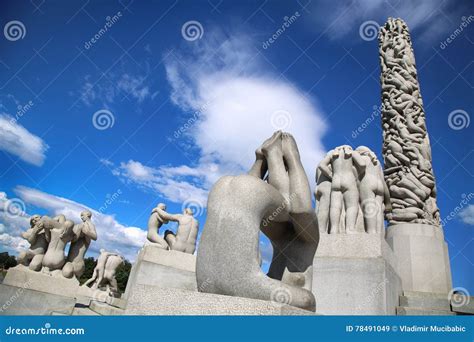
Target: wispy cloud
(17, 140)
(429, 19)
(467, 215)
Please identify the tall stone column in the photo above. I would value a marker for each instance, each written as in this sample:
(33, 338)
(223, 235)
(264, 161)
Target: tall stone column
(414, 231)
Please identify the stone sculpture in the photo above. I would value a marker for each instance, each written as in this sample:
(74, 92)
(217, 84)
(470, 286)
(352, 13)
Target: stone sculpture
(155, 222)
(239, 207)
(104, 272)
(35, 235)
(83, 234)
(58, 232)
(406, 145)
(349, 184)
(185, 238)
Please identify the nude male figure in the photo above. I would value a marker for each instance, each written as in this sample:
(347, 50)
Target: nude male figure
(113, 262)
(33, 257)
(344, 191)
(155, 222)
(84, 233)
(185, 238)
(58, 232)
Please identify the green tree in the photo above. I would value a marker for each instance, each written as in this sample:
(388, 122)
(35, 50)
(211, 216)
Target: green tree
(90, 265)
(123, 272)
(7, 260)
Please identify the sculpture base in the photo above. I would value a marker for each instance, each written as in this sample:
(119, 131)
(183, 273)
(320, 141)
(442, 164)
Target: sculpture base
(158, 267)
(153, 300)
(24, 301)
(85, 295)
(355, 274)
(22, 277)
(423, 260)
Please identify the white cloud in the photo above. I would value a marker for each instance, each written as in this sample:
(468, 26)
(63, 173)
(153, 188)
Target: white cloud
(17, 140)
(467, 214)
(232, 102)
(164, 180)
(429, 19)
(112, 235)
(113, 87)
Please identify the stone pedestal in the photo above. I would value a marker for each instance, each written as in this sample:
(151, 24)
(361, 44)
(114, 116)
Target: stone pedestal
(355, 274)
(153, 300)
(167, 269)
(22, 277)
(23, 301)
(422, 254)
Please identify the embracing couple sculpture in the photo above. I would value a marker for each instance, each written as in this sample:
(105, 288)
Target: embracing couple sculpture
(185, 238)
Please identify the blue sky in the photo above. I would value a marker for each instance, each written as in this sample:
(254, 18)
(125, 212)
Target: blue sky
(183, 92)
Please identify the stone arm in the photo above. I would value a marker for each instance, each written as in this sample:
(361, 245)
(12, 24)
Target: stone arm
(89, 230)
(359, 163)
(168, 217)
(31, 234)
(325, 165)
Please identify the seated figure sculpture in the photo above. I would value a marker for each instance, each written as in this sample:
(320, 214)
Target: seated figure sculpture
(83, 234)
(185, 238)
(35, 235)
(58, 233)
(228, 255)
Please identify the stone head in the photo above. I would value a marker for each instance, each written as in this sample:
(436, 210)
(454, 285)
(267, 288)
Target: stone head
(86, 215)
(34, 220)
(161, 206)
(188, 211)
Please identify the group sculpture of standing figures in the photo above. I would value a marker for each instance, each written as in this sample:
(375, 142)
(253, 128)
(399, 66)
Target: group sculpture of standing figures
(350, 184)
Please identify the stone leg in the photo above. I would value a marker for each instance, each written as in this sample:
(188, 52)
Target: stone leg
(227, 260)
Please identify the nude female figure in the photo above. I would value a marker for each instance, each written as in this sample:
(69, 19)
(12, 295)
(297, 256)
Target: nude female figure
(344, 191)
(33, 257)
(322, 193)
(228, 255)
(58, 232)
(372, 189)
